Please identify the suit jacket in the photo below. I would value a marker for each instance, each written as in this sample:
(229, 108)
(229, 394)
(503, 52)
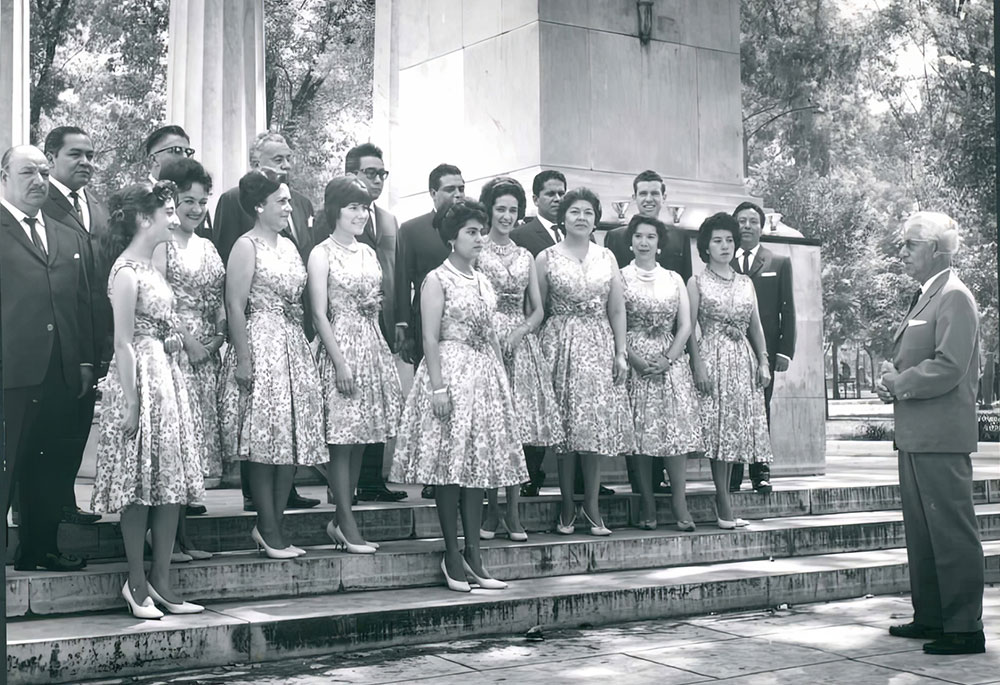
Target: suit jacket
(675, 255)
(419, 250)
(231, 222)
(382, 239)
(58, 206)
(772, 279)
(41, 298)
(532, 236)
(936, 352)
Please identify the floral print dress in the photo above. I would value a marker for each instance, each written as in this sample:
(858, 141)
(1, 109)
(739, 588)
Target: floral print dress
(664, 407)
(578, 342)
(508, 267)
(353, 304)
(279, 420)
(196, 276)
(478, 445)
(162, 463)
(734, 426)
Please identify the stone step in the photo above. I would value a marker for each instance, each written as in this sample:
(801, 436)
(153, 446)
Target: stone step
(227, 528)
(76, 648)
(414, 563)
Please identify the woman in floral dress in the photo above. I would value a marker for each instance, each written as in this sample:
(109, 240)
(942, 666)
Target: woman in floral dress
(511, 270)
(148, 458)
(730, 371)
(270, 403)
(459, 431)
(664, 402)
(361, 394)
(583, 339)
(194, 271)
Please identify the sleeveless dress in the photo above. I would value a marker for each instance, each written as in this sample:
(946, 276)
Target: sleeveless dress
(162, 463)
(578, 343)
(196, 276)
(734, 426)
(508, 268)
(279, 421)
(664, 407)
(478, 445)
(353, 304)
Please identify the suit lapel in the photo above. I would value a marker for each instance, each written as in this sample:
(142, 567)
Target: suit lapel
(925, 299)
(759, 262)
(72, 218)
(17, 234)
(544, 234)
(51, 237)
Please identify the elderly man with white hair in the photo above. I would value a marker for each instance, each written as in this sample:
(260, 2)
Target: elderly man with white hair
(931, 384)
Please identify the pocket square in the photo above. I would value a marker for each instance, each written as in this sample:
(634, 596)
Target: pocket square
(309, 223)
(76, 255)
(769, 273)
(915, 322)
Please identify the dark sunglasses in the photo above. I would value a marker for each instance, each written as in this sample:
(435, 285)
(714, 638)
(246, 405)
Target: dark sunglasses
(177, 150)
(372, 173)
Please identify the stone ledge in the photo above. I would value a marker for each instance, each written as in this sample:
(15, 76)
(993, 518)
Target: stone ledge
(71, 649)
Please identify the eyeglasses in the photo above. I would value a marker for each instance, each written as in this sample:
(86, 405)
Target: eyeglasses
(177, 150)
(911, 243)
(372, 173)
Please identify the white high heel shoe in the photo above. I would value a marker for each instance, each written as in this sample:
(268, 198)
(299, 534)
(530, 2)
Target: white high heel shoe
(271, 551)
(731, 525)
(338, 539)
(145, 610)
(485, 583)
(514, 536)
(182, 608)
(454, 585)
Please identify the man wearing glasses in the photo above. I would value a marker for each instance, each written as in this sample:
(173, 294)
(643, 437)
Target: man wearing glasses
(268, 151)
(165, 145)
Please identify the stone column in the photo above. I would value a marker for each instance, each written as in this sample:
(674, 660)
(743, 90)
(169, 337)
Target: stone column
(15, 75)
(215, 81)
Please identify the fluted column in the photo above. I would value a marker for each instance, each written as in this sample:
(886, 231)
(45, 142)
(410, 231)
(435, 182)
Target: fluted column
(215, 81)
(15, 77)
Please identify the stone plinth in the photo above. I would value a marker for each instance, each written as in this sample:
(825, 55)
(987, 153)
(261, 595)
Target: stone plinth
(15, 81)
(215, 81)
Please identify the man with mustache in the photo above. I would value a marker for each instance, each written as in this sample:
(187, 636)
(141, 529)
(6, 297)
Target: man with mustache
(48, 353)
(70, 154)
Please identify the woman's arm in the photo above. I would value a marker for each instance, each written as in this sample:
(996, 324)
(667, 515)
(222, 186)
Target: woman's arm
(431, 310)
(124, 291)
(759, 345)
(239, 276)
(542, 271)
(683, 325)
(319, 271)
(701, 380)
(616, 317)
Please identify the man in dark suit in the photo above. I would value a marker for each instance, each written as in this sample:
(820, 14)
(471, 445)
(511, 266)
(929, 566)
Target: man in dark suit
(47, 351)
(269, 150)
(168, 144)
(931, 384)
(420, 250)
(365, 162)
(772, 280)
(70, 154)
(649, 192)
(542, 231)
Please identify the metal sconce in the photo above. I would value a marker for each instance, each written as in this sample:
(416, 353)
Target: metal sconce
(676, 211)
(773, 219)
(645, 10)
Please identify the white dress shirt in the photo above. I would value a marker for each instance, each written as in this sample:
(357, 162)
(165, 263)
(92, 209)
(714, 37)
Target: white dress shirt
(21, 216)
(753, 255)
(84, 207)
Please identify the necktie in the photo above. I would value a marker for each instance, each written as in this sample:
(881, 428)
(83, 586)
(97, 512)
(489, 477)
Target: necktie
(746, 262)
(370, 226)
(35, 238)
(75, 197)
(558, 233)
(915, 298)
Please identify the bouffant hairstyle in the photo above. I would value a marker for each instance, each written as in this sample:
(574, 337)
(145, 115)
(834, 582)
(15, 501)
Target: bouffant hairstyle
(717, 222)
(185, 173)
(256, 186)
(457, 216)
(124, 208)
(498, 187)
(638, 220)
(574, 195)
(339, 193)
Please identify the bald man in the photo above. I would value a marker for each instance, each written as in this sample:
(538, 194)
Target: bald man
(48, 352)
(931, 384)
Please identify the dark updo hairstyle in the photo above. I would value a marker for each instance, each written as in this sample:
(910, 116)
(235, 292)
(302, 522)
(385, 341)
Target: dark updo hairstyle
(457, 216)
(340, 192)
(639, 220)
(185, 173)
(717, 222)
(498, 187)
(575, 195)
(124, 208)
(256, 186)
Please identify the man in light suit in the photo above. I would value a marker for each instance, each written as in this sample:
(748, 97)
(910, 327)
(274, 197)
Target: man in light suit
(47, 355)
(931, 384)
(420, 250)
(365, 162)
(70, 154)
(542, 231)
(772, 280)
(269, 150)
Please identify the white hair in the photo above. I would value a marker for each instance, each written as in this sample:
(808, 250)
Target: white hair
(936, 226)
(261, 140)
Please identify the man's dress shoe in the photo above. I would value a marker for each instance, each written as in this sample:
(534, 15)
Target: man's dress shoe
(427, 492)
(248, 504)
(957, 643)
(762, 487)
(661, 489)
(79, 516)
(53, 562)
(915, 630)
(601, 492)
(529, 490)
(195, 509)
(297, 501)
(380, 494)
